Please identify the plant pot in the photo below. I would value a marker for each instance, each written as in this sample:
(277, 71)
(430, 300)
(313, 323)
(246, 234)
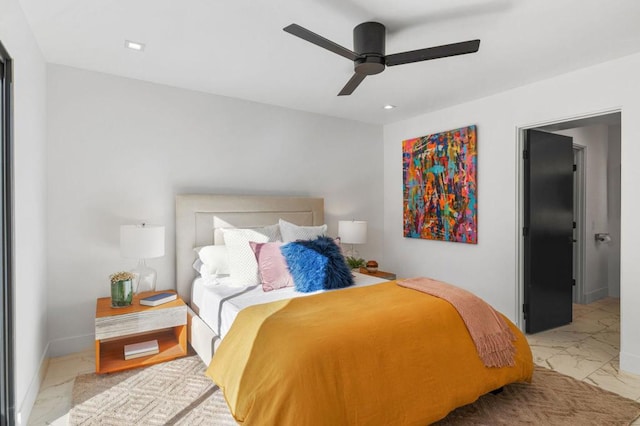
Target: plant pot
(121, 293)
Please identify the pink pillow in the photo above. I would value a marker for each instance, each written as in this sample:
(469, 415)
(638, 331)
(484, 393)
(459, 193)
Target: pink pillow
(272, 266)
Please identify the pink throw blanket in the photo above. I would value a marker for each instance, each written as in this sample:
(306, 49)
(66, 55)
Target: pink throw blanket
(490, 333)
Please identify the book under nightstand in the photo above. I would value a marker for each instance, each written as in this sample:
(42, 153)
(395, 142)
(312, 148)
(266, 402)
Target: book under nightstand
(117, 327)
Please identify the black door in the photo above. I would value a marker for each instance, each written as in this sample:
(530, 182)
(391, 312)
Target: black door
(548, 233)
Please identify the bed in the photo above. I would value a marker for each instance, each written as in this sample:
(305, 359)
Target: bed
(200, 219)
(374, 353)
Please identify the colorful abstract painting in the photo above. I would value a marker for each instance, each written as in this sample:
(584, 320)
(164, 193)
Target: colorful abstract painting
(440, 191)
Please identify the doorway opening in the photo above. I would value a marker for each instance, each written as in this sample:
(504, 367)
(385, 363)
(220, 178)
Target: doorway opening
(596, 201)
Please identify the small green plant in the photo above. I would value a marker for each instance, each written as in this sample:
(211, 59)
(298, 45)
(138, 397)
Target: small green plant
(354, 262)
(121, 276)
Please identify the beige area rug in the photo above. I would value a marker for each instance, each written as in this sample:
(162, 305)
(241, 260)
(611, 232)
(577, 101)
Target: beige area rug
(177, 392)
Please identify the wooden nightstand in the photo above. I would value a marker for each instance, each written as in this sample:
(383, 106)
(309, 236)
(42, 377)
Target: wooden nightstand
(380, 274)
(116, 327)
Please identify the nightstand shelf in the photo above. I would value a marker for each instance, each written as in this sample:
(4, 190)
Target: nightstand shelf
(380, 274)
(117, 327)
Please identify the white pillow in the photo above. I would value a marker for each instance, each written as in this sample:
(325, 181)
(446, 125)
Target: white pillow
(242, 261)
(292, 232)
(271, 231)
(215, 260)
(199, 266)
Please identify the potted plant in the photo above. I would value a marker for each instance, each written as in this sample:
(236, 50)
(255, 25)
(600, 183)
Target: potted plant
(121, 289)
(354, 262)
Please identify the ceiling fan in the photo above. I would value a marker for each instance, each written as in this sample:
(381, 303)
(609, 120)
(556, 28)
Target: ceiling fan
(369, 57)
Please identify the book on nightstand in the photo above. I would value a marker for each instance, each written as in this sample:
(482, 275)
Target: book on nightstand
(138, 350)
(158, 299)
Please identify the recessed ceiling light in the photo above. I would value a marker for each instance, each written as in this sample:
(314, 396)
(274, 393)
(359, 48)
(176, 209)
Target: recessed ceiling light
(389, 106)
(134, 45)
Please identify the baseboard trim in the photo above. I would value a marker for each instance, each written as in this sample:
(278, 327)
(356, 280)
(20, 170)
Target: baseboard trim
(54, 348)
(26, 405)
(601, 293)
(69, 345)
(629, 363)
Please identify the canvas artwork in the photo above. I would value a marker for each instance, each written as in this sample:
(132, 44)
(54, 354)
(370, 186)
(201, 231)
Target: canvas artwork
(440, 191)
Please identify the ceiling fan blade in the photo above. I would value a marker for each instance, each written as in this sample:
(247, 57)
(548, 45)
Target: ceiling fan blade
(436, 52)
(351, 85)
(314, 38)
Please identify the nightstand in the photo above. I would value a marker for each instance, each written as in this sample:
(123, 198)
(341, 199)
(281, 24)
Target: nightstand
(380, 274)
(117, 327)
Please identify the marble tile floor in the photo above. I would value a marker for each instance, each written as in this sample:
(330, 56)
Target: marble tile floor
(54, 399)
(587, 349)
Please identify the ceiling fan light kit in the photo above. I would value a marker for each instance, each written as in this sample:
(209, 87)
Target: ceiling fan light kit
(369, 51)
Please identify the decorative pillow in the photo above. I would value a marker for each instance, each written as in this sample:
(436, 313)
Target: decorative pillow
(316, 265)
(307, 266)
(200, 267)
(293, 232)
(215, 260)
(272, 266)
(338, 242)
(272, 232)
(242, 262)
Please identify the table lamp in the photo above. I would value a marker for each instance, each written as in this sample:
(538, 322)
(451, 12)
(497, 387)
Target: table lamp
(352, 232)
(142, 242)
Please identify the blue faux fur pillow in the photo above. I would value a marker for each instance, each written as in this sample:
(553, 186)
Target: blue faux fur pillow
(316, 265)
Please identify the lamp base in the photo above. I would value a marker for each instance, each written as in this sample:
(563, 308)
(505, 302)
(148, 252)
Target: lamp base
(352, 252)
(144, 278)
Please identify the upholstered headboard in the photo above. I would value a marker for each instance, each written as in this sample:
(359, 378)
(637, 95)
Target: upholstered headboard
(199, 218)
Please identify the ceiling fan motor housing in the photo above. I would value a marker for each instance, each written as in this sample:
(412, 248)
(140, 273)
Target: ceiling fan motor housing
(369, 44)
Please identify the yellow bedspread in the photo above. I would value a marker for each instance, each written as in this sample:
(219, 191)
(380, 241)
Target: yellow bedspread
(376, 355)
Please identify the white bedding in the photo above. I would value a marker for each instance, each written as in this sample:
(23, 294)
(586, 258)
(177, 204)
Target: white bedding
(218, 304)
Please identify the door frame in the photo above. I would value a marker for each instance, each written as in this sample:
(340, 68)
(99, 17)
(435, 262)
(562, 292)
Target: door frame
(579, 153)
(520, 131)
(7, 344)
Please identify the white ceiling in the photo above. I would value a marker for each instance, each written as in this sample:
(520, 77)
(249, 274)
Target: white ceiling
(237, 48)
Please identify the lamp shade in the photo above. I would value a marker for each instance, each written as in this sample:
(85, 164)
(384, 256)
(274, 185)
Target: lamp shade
(141, 241)
(352, 231)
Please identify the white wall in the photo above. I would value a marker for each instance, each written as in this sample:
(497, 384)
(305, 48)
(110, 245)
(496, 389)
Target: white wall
(121, 149)
(489, 268)
(613, 213)
(30, 283)
(595, 140)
